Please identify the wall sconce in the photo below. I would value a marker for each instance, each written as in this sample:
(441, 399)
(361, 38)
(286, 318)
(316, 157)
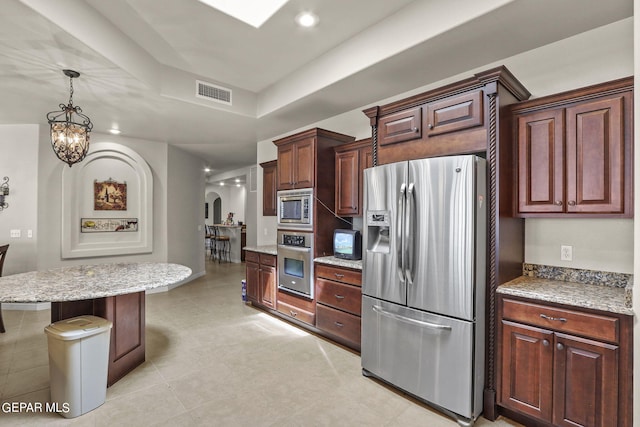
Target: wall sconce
(4, 192)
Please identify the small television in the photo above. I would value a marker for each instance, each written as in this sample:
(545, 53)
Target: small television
(347, 244)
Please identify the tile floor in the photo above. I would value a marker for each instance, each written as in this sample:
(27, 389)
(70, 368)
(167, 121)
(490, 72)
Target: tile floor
(214, 361)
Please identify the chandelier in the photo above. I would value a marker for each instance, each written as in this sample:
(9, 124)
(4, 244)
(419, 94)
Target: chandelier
(70, 128)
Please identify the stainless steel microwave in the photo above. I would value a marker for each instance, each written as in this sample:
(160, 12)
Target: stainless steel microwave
(295, 209)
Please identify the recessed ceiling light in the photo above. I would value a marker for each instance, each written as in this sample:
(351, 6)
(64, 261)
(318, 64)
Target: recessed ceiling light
(207, 169)
(115, 131)
(307, 19)
(222, 184)
(252, 12)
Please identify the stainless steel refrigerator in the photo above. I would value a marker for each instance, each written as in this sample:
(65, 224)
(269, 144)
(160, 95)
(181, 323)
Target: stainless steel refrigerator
(424, 263)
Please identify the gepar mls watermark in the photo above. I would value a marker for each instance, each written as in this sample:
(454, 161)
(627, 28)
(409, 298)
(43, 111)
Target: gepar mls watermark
(34, 407)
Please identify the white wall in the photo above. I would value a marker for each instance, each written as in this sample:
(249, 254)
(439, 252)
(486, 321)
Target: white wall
(19, 162)
(185, 215)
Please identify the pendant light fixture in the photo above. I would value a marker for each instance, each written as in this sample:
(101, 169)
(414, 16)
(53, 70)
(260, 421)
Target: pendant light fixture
(70, 128)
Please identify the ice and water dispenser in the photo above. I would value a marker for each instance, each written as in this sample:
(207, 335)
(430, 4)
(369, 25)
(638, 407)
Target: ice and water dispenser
(378, 229)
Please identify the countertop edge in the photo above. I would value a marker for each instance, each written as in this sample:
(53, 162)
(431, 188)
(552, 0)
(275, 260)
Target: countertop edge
(580, 295)
(263, 249)
(338, 262)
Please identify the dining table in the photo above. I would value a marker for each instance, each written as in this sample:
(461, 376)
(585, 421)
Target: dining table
(114, 291)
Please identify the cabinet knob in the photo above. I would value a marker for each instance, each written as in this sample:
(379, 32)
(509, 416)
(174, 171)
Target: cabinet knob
(545, 343)
(572, 203)
(293, 313)
(559, 202)
(415, 129)
(559, 346)
(430, 126)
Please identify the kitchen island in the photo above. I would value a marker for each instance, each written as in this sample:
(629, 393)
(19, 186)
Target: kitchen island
(234, 232)
(115, 292)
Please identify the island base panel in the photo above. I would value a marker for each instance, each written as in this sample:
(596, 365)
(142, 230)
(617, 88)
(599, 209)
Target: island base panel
(127, 313)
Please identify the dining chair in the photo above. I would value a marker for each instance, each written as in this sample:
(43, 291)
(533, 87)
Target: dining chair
(3, 253)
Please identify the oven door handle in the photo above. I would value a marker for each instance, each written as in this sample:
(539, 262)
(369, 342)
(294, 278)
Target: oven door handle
(294, 248)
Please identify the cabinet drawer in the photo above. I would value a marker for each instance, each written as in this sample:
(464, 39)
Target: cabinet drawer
(252, 257)
(296, 313)
(588, 325)
(339, 323)
(340, 296)
(339, 274)
(399, 127)
(266, 259)
(455, 113)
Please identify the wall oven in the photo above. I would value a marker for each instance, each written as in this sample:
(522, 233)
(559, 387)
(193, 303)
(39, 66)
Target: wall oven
(295, 262)
(295, 209)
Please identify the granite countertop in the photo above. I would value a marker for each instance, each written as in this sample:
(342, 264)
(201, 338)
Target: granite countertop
(599, 297)
(346, 263)
(89, 281)
(264, 249)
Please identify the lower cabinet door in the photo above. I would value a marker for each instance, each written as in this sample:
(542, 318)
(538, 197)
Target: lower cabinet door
(585, 382)
(339, 324)
(527, 370)
(253, 280)
(268, 286)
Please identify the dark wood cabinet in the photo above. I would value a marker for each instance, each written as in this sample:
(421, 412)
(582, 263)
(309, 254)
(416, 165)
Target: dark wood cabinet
(127, 340)
(454, 113)
(401, 126)
(574, 152)
(564, 366)
(351, 160)
(269, 188)
(296, 307)
(296, 161)
(261, 276)
(339, 303)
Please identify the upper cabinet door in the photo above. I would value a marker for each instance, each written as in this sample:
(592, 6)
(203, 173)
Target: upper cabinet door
(304, 161)
(269, 188)
(285, 167)
(398, 127)
(347, 182)
(541, 161)
(595, 156)
(455, 113)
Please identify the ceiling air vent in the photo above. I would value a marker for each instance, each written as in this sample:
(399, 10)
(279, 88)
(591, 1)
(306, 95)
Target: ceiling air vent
(213, 92)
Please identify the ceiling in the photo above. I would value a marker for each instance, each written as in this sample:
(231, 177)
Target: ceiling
(139, 61)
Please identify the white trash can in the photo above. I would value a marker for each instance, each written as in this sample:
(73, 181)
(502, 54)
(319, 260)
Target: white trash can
(78, 363)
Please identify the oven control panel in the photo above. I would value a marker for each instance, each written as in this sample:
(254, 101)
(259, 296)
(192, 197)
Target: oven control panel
(292, 238)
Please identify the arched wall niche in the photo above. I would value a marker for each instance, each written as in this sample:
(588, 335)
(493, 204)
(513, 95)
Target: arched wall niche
(107, 162)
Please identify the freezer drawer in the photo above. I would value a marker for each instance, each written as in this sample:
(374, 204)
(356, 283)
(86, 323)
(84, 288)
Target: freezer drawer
(427, 355)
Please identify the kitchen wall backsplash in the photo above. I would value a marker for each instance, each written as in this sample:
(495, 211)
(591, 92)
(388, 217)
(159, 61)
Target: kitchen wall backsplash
(591, 277)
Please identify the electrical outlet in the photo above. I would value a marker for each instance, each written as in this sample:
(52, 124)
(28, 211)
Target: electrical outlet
(15, 234)
(566, 253)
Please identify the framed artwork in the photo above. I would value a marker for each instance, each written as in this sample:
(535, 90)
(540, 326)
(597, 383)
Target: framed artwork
(109, 195)
(107, 225)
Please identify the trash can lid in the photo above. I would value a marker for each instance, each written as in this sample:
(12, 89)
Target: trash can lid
(77, 327)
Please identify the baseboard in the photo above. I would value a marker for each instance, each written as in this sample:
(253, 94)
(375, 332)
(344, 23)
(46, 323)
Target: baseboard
(26, 306)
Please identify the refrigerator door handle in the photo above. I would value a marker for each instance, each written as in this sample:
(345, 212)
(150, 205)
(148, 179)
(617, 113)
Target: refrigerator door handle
(399, 232)
(383, 312)
(409, 233)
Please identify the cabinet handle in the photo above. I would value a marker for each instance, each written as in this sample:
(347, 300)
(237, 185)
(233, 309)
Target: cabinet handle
(545, 343)
(338, 324)
(338, 296)
(559, 346)
(559, 202)
(338, 275)
(572, 203)
(559, 319)
(293, 313)
(430, 126)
